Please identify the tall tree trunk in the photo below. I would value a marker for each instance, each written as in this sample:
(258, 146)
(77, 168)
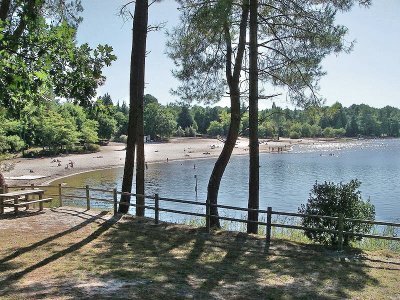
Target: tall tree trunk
(4, 9)
(140, 161)
(234, 90)
(136, 89)
(254, 186)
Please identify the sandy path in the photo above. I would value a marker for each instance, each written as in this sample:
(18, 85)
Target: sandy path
(113, 155)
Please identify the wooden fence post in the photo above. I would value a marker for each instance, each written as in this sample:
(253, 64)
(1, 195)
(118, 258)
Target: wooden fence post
(87, 198)
(156, 209)
(208, 213)
(60, 194)
(340, 229)
(6, 188)
(115, 196)
(269, 222)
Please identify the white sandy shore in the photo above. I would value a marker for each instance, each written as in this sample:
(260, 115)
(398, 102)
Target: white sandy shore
(42, 170)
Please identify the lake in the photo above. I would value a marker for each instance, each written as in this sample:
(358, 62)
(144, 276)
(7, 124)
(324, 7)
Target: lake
(285, 179)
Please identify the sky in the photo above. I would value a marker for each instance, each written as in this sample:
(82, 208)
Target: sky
(370, 74)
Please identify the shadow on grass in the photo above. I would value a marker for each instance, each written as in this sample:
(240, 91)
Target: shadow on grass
(8, 282)
(172, 263)
(32, 247)
(135, 259)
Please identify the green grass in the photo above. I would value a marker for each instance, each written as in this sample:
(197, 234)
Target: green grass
(133, 258)
(295, 235)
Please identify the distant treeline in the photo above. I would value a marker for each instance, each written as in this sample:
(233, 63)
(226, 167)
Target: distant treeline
(56, 126)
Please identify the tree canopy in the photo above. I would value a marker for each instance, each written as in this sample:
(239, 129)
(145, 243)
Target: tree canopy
(40, 58)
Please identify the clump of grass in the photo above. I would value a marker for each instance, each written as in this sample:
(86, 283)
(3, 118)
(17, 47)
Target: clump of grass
(371, 244)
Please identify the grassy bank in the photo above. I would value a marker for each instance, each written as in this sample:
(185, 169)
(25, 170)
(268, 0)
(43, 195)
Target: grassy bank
(69, 253)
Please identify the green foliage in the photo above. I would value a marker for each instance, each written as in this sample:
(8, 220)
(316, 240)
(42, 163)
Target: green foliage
(15, 143)
(158, 120)
(122, 123)
(215, 129)
(190, 132)
(4, 146)
(331, 199)
(294, 135)
(180, 132)
(57, 132)
(89, 132)
(40, 58)
(121, 139)
(266, 130)
(92, 148)
(161, 121)
(185, 118)
(107, 126)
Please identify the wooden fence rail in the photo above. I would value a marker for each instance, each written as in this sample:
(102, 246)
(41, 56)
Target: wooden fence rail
(207, 215)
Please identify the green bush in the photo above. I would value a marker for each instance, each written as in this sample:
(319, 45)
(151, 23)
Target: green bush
(15, 143)
(330, 199)
(37, 153)
(93, 147)
(121, 139)
(294, 135)
(215, 128)
(180, 132)
(4, 146)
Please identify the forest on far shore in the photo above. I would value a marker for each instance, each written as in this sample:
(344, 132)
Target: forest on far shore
(63, 126)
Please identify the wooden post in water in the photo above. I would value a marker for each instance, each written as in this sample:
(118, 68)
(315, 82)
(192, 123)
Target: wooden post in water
(269, 222)
(115, 196)
(156, 209)
(60, 194)
(87, 198)
(340, 235)
(6, 188)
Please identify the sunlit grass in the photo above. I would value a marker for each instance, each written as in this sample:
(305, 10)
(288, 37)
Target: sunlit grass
(134, 258)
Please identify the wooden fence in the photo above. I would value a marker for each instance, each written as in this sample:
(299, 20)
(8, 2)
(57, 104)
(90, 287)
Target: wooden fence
(62, 193)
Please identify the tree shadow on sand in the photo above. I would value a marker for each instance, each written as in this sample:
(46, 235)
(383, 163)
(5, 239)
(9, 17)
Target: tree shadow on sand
(136, 259)
(8, 282)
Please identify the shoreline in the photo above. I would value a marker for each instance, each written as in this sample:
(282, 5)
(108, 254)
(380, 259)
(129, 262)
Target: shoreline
(43, 171)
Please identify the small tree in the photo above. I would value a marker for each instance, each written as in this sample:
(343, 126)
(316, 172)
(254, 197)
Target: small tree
(89, 132)
(330, 199)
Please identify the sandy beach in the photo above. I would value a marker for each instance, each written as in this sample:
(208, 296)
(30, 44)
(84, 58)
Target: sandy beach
(44, 170)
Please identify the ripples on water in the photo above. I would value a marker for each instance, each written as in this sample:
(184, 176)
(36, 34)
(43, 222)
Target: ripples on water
(285, 179)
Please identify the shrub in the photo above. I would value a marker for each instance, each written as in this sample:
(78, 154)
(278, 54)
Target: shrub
(294, 135)
(190, 132)
(330, 199)
(15, 143)
(4, 145)
(93, 147)
(121, 139)
(180, 132)
(215, 128)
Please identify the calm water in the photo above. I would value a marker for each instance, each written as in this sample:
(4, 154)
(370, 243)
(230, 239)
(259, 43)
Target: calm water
(285, 179)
